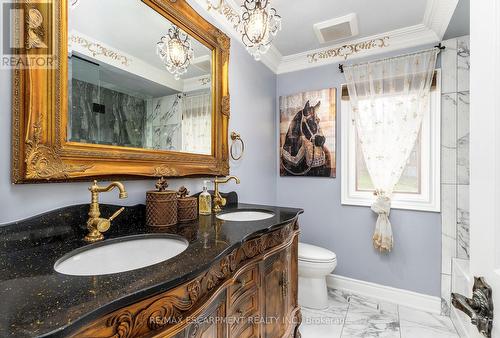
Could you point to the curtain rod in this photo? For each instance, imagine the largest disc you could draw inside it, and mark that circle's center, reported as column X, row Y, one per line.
column 439, row 46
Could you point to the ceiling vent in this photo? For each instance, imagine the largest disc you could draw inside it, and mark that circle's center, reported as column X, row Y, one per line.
column 337, row 29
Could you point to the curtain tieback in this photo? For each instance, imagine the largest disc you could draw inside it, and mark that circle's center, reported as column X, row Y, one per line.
column 382, row 238
column 382, row 205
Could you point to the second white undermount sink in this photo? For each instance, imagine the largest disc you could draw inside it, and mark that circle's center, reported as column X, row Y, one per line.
column 245, row 216
column 120, row 255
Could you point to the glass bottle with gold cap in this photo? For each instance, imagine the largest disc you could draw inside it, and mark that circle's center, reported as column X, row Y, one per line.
column 205, row 201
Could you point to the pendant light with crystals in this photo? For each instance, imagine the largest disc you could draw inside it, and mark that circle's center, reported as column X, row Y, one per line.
column 175, row 51
column 259, row 24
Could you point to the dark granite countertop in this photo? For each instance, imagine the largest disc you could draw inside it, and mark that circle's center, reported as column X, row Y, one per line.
column 35, row 300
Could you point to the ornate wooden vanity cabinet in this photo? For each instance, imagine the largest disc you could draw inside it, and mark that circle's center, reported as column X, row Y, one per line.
column 250, row 292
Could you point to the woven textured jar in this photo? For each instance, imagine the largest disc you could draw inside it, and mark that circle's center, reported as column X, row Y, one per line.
column 187, row 209
column 161, row 206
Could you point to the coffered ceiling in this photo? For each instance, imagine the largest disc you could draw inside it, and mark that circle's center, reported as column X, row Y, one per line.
column 384, row 25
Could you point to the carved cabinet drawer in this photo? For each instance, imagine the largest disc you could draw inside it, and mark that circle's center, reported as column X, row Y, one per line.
column 247, row 280
column 248, row 331
column 244, row 313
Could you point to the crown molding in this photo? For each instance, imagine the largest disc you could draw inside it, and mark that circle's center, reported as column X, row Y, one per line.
column 438, row 14
column 272, row 59
column 196, row 83
column 397, row 39
column 79, row 43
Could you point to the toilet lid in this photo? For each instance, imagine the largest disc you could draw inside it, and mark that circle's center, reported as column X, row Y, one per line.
column 312, row 253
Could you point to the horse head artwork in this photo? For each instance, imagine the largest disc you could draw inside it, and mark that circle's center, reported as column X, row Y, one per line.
column 304, row 152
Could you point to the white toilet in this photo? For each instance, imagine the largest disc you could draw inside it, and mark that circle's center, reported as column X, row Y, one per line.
column 315, row 264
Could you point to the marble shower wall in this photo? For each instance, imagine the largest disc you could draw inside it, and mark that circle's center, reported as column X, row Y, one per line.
column 455, row 66
column 164, row 123
column 121, row 124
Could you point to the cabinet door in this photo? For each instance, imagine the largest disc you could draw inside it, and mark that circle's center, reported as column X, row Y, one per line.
column 211, row 323
column 276, row 287
column 244, row 312
column 244, row 304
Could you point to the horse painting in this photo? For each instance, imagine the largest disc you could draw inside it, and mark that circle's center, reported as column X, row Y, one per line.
column 305, row 147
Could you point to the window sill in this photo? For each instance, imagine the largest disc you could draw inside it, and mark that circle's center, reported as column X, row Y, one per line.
column 402, row 202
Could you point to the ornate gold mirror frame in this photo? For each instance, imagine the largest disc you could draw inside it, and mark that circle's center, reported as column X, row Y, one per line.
column 40, row 150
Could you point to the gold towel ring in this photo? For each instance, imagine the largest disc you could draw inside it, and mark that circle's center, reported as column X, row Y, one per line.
column 236, row 137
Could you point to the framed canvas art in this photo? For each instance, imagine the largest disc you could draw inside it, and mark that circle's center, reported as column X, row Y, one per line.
column 307, row 134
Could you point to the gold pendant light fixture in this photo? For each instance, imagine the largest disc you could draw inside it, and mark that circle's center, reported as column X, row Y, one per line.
column 176, row 52
column 259, row 25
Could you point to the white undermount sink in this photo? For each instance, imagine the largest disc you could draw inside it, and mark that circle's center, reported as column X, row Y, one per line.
column 120, row 254
column 245, row 216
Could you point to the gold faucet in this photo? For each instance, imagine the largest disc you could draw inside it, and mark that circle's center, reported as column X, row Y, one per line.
column 95, row 224
column 220, row 201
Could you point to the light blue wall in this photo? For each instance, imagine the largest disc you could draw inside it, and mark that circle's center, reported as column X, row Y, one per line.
column 415, row 262
column 253, row 92
column 253, row 97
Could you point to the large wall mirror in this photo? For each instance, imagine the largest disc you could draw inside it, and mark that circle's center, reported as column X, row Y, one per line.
column 127, row 97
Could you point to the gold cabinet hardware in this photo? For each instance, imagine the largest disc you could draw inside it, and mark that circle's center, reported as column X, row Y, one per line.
column 96, row 225
column 220, row 201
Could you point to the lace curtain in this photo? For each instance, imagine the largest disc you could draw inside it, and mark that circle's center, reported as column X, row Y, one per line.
column 389, row 99
column 197, row 124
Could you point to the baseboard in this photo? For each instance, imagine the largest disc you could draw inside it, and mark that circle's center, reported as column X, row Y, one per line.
column 461, row 327
column 386, row 293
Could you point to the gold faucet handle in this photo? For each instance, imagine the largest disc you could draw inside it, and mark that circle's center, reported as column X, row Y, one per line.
column 104, row 224
column 220, row 200
column 119, row 211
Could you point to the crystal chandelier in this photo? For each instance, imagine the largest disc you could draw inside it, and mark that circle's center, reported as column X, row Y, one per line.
column 175, row 51
column 259, row 24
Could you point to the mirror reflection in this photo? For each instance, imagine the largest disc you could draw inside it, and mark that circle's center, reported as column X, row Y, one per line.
column 136, row 83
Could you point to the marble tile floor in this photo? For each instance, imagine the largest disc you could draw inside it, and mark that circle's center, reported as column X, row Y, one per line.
column 350, row 316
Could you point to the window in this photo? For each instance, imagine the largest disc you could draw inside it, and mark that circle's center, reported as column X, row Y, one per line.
column 410, row 181
column 419, row 185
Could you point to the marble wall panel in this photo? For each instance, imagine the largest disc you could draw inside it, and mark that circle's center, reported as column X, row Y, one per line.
column 455, row 65
column 463, row 63
column 463, row 167
column 121, row 122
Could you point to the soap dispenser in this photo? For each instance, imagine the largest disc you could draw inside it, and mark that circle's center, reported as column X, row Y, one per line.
column 205, row 200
